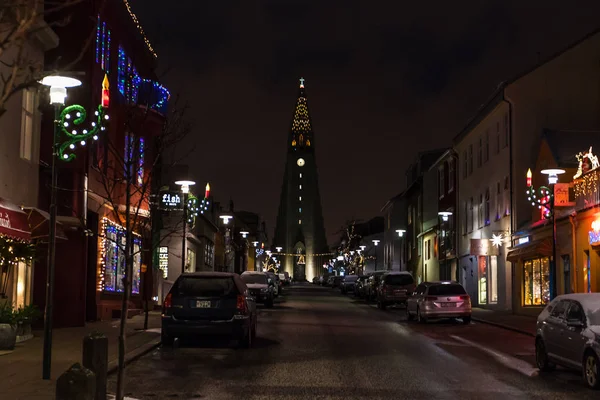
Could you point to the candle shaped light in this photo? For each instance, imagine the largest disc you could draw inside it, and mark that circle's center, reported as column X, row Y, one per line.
column 207, row 191
column 529, row 177
column 105, row 92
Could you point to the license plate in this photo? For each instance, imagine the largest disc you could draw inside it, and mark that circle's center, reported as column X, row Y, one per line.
column 448, row 304
column 202, row 304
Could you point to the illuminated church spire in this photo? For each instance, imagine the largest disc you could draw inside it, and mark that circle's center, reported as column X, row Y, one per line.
column 301, row 132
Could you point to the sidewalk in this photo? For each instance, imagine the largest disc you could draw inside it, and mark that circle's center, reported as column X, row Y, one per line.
column 22, row 369
column 505, row 319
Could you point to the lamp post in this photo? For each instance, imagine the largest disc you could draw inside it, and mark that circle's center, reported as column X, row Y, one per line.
column 185, row 189
column 376, row 243
column 225, row 218
column 401, row 233
column 552, row 180
column 445, row 216
column 65, row 137
column 58, row 93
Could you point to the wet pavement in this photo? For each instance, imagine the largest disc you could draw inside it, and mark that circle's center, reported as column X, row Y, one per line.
column 318, row 344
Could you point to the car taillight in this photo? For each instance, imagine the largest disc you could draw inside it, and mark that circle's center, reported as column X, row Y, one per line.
column 241, row 304
column 465, row 297
column 167, row 302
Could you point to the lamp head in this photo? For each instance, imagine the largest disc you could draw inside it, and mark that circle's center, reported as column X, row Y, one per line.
column 445, row 215
column 58, row 87
column 400, row 232
column 226, row 218
column 552, row 174
column 376, row 242
column 185, row 185
column 279, row 248
column 244, row 234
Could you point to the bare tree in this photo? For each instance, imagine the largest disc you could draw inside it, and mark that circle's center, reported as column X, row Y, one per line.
column 127, row 193
column 20, row 22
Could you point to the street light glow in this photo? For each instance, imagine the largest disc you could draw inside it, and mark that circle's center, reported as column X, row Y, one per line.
column 400, row 232
column 244, row 234
column 552, row 174
column 58, row 87
column 444, row 215
column 376, row 242
column 279, row 248
column 226, row 218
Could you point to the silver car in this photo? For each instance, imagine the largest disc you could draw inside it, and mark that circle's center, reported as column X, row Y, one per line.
column 568, row 334
column 444, row 299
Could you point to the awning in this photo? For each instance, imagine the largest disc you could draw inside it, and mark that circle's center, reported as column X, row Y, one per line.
column 534, row 249
column 39, row 221
column 13, row 221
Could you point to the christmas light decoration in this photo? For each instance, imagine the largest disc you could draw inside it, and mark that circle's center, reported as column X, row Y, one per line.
column 105, row 92
column 141, row 155
column 587, row 162
column 103, row 45
column 497, row 240
column 140, row 29
column 207, row 191
column 301, row 124
column 192, row 209
column 586, row 185
column 112, row 262
column 73, row 136
column 540, row 198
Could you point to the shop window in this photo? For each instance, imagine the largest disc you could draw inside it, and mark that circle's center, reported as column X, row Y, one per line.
column 483, row 290
column 536, row 282
column 113, row 259
column 493, row 279
column 190, row 262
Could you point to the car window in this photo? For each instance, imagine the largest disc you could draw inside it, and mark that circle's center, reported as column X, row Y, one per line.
column 446, row 290
column 559, row 309
column 575, row 312
column 254, row 278
column 402, row 279
column 421, row 289
column 205, row 287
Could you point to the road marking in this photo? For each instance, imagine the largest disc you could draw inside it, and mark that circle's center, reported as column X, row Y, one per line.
column 513, row 363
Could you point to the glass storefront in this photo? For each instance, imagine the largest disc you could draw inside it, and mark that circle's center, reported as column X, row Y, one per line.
column 493, row 279
column 483, row 270
column 536, row 282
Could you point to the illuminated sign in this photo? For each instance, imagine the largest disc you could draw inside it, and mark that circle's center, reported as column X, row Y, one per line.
column 170, row 200
column 482, row 247
column 594, row 234
column 523, row 240
column 163, row 260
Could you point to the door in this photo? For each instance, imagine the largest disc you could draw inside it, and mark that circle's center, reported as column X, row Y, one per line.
column 574, row 341
column 553, row 332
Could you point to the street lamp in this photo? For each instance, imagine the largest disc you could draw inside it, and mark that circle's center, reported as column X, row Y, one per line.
column 363, row 247
column 552, row 180
column 401, row 233
column 58, row 93
column 445, row 216
column 244, row 234
column 279, row 248
column 185, row 189
column 226, row 218
column 255, row 243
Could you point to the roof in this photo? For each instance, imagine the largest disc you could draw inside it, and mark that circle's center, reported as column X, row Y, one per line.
column 391, row 201
column 498, row 94
column 209, row 274
column 566, row 144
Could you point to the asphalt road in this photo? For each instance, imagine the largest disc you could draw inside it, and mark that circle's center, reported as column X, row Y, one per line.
column 318, row 344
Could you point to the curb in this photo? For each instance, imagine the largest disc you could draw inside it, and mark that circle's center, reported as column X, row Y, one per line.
column 507, row 327
column 134, row 354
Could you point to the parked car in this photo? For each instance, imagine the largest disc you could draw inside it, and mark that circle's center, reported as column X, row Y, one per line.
column 445, row 299
column 315, row 280
column 347, row 283
column 283, row 279
column 395, row 287
column 275, row 282
column 372, row 284
column 209, row 303
column 568, row 334
column 330, row 281
column 337, row 280
column 259, row 287
column 287, row 279
column 359, row 286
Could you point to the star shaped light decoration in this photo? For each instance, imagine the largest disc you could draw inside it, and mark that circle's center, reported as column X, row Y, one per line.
column 497, row 240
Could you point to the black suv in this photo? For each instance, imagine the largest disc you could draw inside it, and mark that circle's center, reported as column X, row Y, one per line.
column 207, row 304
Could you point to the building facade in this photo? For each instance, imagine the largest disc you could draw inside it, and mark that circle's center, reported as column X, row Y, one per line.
column 394, row 234
column 300, row 229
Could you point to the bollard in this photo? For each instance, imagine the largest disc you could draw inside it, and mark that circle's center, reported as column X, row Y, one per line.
column 95, row 358
column 76, row 383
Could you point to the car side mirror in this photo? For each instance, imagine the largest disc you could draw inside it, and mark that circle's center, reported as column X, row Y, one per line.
column 574, row 323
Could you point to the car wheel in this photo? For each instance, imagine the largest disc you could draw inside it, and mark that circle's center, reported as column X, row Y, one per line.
column 467, row 320
column 590, row 370
column 166, row 340
column 420, row 318
column 541, row 357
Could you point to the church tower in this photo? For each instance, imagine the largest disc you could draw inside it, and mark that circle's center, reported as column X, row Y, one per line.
column 300, row 230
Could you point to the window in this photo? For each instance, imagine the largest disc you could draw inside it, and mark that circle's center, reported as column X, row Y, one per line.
column 480, row 152
column 299, row 222
column 536, row 282
column 450, row 176
column 113, row 256
column 420, row 246
column 498, row 201
column 466, row 217
column 486, row 210
column 506, row 130
column 486, row 148
column 465, row 165
column 103, row 45
column 471, row 215
column 300, row 210
column 190, row 262
column 559, row 310
column 507, row 204
column 410, row 214
column 441, row 183
column 429, row 249
column 470, row 159
column 575, row 312
column 480, row 211
column 300, row 198
column 498, row 138
column 209, row 253
column 409, row 250
column 419, row 205
column 127, row 77
column 300, row 187
column 300, row 175
column 27, row 124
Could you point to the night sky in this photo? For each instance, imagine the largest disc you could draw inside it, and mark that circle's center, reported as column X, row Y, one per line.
column 384, row 80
